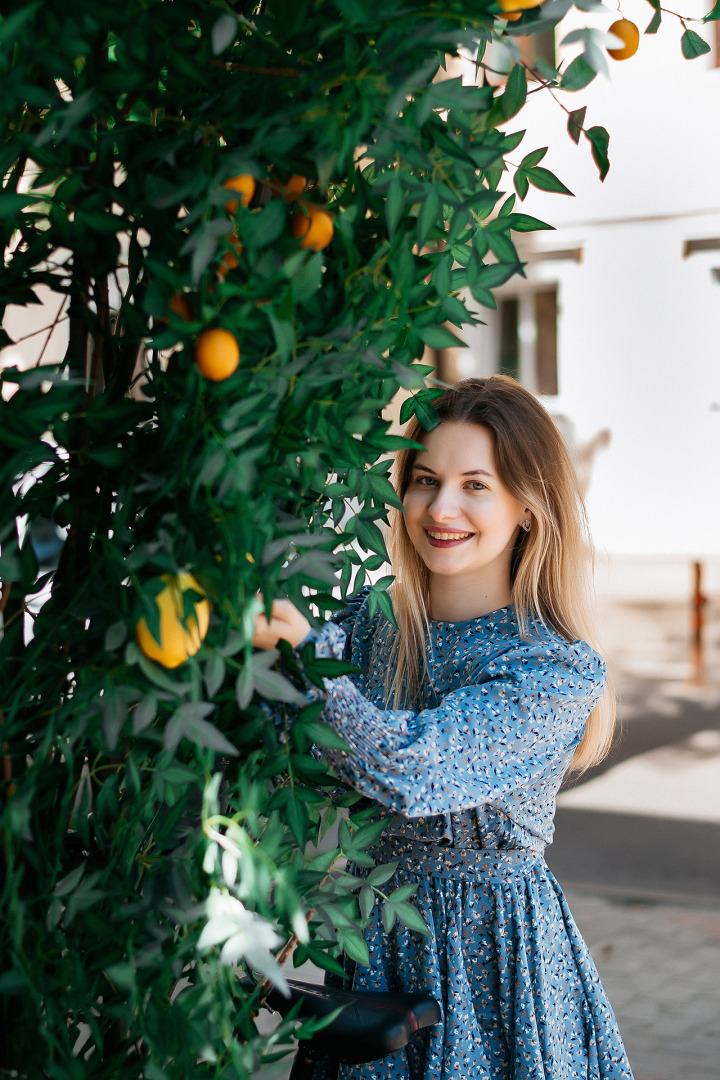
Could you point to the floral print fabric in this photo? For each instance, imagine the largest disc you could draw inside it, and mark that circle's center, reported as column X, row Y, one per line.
column 470, row 781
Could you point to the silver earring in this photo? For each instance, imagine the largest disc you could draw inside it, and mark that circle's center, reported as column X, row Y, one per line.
column 526, row 525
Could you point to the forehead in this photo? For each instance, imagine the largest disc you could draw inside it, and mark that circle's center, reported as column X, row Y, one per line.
column 457, row 447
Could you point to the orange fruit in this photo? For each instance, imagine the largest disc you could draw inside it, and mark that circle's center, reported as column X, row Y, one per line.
column 217, row 354
column 294, row 187
column 245, row 185
column 180, row 305
column 179, row 638
column 313, row 227
column 628, row 33
column 230, row 260
column 512, row 10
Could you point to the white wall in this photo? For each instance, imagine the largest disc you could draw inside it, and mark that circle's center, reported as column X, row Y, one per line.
column 639, row 328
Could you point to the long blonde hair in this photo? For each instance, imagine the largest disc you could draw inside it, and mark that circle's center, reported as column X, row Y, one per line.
column 551, row 564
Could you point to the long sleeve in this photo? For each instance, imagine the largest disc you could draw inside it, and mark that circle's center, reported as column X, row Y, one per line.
column 518, row 719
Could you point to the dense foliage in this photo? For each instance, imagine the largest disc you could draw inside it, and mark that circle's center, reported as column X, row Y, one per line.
column 153, row 813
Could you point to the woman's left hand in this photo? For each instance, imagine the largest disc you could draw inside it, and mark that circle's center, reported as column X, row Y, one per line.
column 285, row 623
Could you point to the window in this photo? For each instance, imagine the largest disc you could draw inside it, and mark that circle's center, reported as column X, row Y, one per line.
column 527, row 338
column 509, row 351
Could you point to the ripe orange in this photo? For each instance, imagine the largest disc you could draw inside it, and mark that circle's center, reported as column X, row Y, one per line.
column 245, row 184
column 314, row 226
column 294, row 187
column 230, row 258
column 217, row 354
column 180, row 305
column 512, row 10
column 628, row 32
column 179, row 638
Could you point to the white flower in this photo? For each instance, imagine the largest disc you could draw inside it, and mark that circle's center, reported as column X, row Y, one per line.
column 246, row 935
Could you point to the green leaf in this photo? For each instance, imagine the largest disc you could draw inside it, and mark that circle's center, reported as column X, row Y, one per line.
column 297, row 817
column 521, row 182
column 223, row 33
column 366, row 901
column 575, row 123
column 144, row 713
column 545, row 180
column 491, row 275
column 599, row 141
column 693, row 45
column 188, row 723
column 381, row 600
column 324, row 736
column 416, row 405
column 439, row 337
column 307, row 279
column 353, row 945
column 366, row 835
column 11, row 203
column 262, row 227
column 411, row 917
column 388, row 916
column 654, row 25
column 370, row 537
column 115, row 636
column 327, row 667
column 284, row 334
column 515, row 94
column 428, row 216
column 214, row 673
column 441, row 277
column 275, row 687
column 577, row 75
column 244, row 687
column 523, row 223
column 11, row 25
column 394, row 205
column 317, row 952
column 532, row 159
column 380, row 874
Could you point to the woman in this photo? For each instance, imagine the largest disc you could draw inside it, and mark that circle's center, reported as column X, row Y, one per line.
column 463, row 724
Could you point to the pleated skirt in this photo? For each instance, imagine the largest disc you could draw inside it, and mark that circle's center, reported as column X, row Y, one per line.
column 520, row 996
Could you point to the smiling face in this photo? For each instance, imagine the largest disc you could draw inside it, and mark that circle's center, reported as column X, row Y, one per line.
column 462, row 520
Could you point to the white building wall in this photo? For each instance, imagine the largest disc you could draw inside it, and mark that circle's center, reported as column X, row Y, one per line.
column 639, row 325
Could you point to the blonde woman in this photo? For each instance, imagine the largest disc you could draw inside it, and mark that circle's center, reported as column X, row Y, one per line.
column 462, row 724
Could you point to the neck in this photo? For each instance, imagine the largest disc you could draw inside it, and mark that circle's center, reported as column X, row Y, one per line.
column 459, row 600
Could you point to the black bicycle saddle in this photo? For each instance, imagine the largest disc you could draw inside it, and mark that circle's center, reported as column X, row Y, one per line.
column 371, row 1024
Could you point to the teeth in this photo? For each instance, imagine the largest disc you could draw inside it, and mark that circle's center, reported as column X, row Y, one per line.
column 448, row 536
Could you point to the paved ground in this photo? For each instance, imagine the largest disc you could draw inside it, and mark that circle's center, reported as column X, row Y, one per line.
column 660, row 965
column 641, row 866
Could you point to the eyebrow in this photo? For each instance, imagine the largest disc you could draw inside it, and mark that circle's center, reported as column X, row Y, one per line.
column 471, row 472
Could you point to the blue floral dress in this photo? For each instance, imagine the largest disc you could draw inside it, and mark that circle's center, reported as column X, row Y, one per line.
column 471, row 780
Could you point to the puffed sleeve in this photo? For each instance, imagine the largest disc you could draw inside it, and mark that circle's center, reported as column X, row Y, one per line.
column 505, row 730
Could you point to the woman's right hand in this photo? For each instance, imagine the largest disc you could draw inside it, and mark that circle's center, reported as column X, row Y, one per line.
column 286, row 623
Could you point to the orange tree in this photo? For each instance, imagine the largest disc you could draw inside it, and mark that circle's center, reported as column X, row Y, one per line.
column 251, row 219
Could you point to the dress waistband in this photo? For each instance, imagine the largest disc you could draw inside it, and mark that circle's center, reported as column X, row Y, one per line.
column 443, row 860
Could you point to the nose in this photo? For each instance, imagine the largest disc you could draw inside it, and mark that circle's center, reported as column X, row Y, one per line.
column 443, row 506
